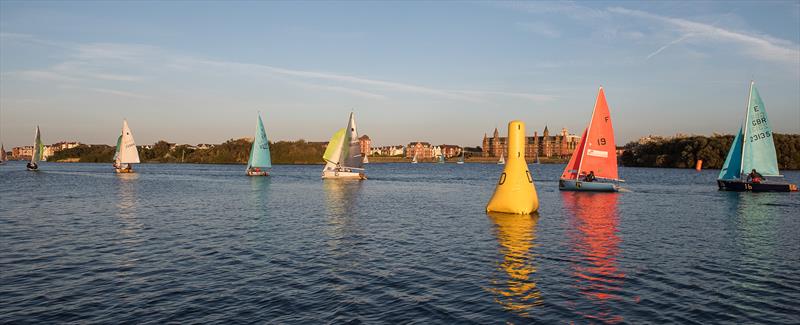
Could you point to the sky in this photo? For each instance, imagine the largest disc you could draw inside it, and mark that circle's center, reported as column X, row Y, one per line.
column 442, row 72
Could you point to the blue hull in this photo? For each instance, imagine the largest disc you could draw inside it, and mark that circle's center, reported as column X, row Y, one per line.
column 575, row 185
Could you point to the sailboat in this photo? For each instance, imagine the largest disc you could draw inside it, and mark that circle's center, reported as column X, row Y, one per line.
column 595, row 155
column 461, row 159
column 259, row 159
column 441, row 158
column 38, row 148
column 3, row 157
column 365, row 160
column 502, row 160
column 126, row 151
column 414, row 160
column 753, row 150
column 343, row 154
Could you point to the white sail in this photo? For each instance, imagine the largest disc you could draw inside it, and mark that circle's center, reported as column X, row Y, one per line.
column 351, row 146
column 127, row 151
column 36, row 155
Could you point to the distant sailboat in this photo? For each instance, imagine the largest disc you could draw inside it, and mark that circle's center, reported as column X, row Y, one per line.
column 365, row 160
column 260, row 158
column 343, row 154
column 38, row 148
column 127, row 154
column 752, row 155
column 461, row 159
column 595, row 158
column 3, row 157
column 502, row 160
column 414, row 160
column 441, row 158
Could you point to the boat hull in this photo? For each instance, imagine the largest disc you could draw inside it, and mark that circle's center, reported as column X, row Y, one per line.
column 257, row 173
column 579, row 186
column 124, row 170
column 742, row 186
column 337, row 174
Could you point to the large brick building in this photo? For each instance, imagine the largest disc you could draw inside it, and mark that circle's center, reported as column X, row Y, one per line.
column 423, row 150
column 366, row 145
column 557, row 146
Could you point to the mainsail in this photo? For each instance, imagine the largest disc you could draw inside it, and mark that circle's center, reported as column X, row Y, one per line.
column 127, row 149
column 2, row 153
column 259, row 152
column 753, row 147
column 38, row 147
column 599, row 153
column 352, row 153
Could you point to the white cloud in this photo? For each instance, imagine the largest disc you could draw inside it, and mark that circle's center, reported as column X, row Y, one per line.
column 99, row 61
column 763, row 47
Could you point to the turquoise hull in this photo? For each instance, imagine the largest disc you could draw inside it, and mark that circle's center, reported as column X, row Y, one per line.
column 580, row 186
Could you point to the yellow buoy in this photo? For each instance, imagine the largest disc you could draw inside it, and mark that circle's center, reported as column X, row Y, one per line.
column 515, row 192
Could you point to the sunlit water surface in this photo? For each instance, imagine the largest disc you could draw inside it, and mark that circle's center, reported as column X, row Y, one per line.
column 204, row 243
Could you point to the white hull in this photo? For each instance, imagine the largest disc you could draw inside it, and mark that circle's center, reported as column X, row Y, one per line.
column 336, row 174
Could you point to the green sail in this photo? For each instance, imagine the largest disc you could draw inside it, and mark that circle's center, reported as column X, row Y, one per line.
column 119, row 143
column 758, row 151
column 333, row 152
column 259, row 152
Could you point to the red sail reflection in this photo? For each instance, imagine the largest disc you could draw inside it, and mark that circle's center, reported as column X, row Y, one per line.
column 516, row 234
column 593, row 237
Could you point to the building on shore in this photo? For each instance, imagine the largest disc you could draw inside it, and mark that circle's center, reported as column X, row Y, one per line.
column 559, row 146
column 388, row 151
column 366, row 144
column 449, row 150
column 422, row 150
column 49, row 150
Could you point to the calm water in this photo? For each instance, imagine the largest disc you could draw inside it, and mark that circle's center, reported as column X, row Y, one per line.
column 204, row 243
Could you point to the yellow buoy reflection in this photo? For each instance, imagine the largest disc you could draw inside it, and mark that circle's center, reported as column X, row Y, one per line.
column 516, row 234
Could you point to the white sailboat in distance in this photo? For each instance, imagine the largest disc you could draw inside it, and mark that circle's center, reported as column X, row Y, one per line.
column 126, row 151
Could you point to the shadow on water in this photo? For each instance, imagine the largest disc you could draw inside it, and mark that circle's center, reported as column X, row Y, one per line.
column 594, row 221
column 516, row 234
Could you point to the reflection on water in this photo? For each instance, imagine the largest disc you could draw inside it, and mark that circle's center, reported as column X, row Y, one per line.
column 756, row 224
column 593, row 236
column 516, row 234
column 127, row 203
column 340, row 197
column 259, row 190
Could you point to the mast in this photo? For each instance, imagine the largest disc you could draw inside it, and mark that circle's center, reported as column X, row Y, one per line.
column 589, row 129
column 744, row 134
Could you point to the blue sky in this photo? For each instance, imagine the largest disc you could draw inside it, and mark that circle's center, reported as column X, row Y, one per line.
column 444, row 72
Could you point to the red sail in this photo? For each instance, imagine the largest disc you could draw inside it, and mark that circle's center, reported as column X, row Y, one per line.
column 571, row 171
column 600, row 152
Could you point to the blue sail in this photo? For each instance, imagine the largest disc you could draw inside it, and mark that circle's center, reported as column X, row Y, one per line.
column 758, row 151
column 730, row 170
column 259, row 153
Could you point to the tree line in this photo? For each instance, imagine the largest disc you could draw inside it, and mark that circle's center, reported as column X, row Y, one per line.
column 234, row 151
column 684, row 152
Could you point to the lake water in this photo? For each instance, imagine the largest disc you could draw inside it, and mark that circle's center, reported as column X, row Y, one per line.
column 205, row 244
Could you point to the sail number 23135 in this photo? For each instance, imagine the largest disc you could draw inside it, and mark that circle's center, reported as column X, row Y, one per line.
column 759, row 136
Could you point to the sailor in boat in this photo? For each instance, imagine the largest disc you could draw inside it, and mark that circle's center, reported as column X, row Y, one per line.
column 589, row 177
column 32, row 165
column 755, row 177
